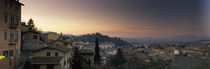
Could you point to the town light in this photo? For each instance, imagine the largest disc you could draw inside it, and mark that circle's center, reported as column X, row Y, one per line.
column 2, row 57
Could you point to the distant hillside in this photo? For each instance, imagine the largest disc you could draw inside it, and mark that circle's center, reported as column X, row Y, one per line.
column 102, row 38
column 183, row 38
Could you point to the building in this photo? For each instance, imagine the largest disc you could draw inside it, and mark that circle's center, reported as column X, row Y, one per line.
column 61, row 42
column 88, row 56
column 51, row 57
column 51, row 36
column 30, row 40
column 10, row 33
column 24, row 27
column 106, row 45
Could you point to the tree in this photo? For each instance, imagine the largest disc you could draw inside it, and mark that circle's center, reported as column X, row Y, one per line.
column 97, row 57
column 77, row 61
column 118, row 59
column 31, row 25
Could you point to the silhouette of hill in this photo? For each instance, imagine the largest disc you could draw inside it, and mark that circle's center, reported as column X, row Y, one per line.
column 102, row 38
column 182, row 38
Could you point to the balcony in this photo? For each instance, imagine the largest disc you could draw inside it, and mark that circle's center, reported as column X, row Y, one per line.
column 12, row 42
column 13, row 25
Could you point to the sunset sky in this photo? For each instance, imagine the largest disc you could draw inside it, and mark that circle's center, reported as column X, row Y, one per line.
column 120, row 18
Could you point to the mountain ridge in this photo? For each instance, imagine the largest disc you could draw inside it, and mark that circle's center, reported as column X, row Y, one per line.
column 181, row 38
column 102, row 38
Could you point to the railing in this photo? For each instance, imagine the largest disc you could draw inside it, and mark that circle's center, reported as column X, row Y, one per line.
column 12, row 42
column 13, row 25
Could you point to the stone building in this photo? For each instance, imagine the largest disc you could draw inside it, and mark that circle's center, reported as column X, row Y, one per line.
column 10, row 33
column 30, row 40
column 51, row 57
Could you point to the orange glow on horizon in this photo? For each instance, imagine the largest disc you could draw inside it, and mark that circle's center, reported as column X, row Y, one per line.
column 77, row 19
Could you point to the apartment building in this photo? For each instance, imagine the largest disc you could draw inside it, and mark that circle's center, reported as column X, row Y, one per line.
column 10, row 33
column 51, row 57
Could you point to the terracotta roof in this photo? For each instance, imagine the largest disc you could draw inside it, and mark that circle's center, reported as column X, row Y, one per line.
column 56, row 41
column 59, row 48
column 51, row 33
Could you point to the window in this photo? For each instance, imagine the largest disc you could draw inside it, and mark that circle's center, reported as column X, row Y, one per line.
column 56, row 53
column 48, row 54
column 16, row 51
column 5, row 35
column 12, row 20
column 5, row 17
column 12, row 36
column 50, row 66
column 11, row 53
column 5, row 53
column 64, row 63
column 16, row 36
column 35, row 37
column 36, row 66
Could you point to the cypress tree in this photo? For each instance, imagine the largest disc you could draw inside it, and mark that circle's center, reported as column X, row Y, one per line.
column 118, row 59
column 97, row 57
column 77, row 60
column 31, row 25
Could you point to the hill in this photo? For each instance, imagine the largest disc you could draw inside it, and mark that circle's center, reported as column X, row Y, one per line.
column 182, row 38
column 102, row 38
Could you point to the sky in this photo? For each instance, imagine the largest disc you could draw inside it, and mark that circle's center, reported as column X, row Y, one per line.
column 120, row 18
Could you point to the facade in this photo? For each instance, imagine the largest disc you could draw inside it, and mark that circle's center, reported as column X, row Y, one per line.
column 30, row 40
column 51, row 57
column 52, row 36
column 24, row 27
column 61, row 42
column 106, row 45
column 10, row 33
column 88, row 56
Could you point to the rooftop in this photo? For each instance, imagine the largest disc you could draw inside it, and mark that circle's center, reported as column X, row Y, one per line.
column 17, row 1
column 59, row 48
column 86, row 51
column 46, row 60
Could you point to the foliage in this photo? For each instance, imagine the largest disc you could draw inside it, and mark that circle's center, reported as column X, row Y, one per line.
column 31, row 25
column 77, row 61
column 118, row 59
column 97, row 57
